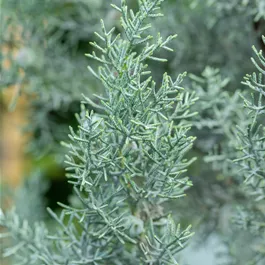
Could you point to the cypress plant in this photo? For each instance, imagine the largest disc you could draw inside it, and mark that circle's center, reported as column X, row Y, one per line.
column 126, row 158
column 251, row 159
column 125, row 161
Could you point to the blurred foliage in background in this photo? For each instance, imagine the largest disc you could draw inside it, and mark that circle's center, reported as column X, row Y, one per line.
column 45, row 42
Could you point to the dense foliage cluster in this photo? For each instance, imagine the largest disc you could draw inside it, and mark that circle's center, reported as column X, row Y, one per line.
column 125, row 162
column 143, row 121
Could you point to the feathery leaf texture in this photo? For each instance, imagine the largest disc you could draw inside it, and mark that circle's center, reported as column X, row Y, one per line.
column 125, row 161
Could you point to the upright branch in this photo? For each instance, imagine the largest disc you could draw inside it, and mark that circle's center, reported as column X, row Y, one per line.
column 126, row 160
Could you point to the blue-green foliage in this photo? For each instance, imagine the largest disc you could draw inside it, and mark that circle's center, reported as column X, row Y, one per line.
column 219, row 112
column 250, row 162
column 55, row 35
column 252, row 138
column 125, row 162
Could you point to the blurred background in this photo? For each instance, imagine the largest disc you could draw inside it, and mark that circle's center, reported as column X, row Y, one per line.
column 43, row 74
